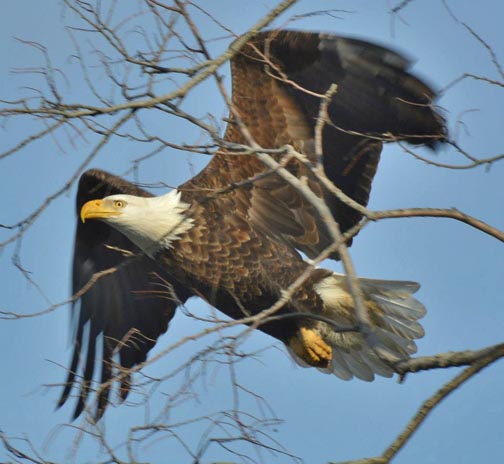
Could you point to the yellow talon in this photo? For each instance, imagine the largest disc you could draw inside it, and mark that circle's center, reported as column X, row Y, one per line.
column 311, row 348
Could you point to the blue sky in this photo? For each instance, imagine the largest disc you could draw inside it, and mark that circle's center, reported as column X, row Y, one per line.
column 322, row 418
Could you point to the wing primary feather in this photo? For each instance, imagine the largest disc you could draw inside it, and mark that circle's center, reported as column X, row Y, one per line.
column 106, row 376
column 73, row 367
column 88, row 373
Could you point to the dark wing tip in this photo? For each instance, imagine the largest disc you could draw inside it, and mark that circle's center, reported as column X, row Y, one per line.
column 67, row 388
column 377, row 94
column 395, row 101
column 125, row 387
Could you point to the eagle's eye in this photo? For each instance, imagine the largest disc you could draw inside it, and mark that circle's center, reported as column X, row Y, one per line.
column 119, row 204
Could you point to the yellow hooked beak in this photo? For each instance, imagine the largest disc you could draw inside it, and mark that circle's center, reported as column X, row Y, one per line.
column 95, row 209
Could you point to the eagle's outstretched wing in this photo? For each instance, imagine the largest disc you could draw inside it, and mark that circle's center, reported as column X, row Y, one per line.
column 127, row 299
column 276, row 79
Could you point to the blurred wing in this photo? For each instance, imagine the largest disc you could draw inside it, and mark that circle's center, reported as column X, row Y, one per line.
column 122, row 312
column 275, row 79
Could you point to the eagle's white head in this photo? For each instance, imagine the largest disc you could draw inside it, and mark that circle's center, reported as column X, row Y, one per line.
column 151, row 223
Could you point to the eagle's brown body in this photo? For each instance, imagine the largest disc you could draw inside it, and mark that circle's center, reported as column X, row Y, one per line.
column 249, row 225
column 238, row 269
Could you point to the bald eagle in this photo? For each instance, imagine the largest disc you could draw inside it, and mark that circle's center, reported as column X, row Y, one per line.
column 236, row 233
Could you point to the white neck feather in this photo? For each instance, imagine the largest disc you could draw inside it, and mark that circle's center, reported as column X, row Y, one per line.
column 153, row 223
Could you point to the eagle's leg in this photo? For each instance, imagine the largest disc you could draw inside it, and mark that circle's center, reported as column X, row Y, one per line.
column 311, row 348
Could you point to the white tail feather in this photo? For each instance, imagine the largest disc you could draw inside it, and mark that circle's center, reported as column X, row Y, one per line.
column 394, row 314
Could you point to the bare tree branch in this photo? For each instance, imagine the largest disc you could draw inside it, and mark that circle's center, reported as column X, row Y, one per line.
column 478, row 364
